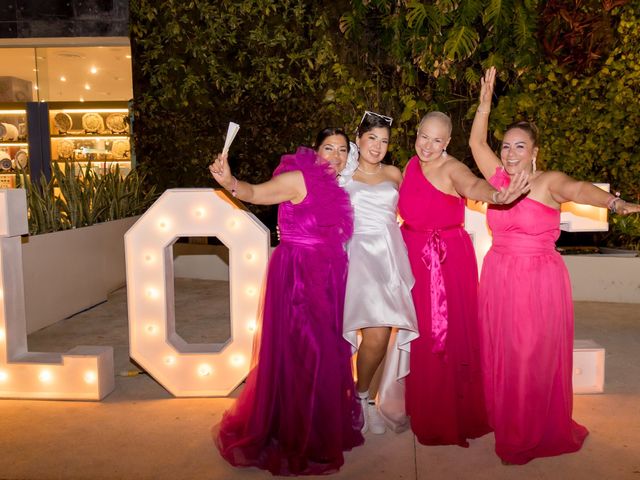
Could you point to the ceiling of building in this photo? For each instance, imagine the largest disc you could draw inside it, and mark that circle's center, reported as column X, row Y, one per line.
column 66, row 73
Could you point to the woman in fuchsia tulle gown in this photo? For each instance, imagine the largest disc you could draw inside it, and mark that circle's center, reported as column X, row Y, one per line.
column 298, row 412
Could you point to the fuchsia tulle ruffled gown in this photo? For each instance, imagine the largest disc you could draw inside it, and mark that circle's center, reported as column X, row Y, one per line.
column 444, row 395
column 527, row 325
column 298, row 411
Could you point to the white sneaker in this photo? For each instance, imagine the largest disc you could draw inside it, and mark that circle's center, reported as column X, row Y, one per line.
column 364, row 403
column 376, row 423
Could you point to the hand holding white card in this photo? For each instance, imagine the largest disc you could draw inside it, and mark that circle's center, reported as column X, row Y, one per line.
column 231, row 134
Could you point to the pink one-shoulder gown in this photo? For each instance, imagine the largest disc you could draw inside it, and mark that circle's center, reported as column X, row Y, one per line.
column 444, row 395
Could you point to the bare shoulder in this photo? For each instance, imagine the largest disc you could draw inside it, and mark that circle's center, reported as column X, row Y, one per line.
column 453, row 166
column 393, row 173
column 552, row 177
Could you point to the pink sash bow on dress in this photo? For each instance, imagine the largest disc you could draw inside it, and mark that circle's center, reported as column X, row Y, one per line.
column 434, row 253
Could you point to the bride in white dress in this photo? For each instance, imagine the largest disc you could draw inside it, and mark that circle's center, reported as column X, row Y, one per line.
column 378, row 301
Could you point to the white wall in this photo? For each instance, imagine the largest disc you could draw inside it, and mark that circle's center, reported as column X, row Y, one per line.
column 72, row 270
column 604, row 278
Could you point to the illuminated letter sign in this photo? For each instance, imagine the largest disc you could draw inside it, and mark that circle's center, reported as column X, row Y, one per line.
column 182, row 368
column 83, row 373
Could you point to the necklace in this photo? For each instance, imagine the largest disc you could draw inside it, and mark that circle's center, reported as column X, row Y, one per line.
column 370, row 173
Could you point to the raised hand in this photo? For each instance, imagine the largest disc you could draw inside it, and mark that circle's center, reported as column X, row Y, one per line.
column 487, row 83
column 626, row 208
column 220, row 171
column 519, row 186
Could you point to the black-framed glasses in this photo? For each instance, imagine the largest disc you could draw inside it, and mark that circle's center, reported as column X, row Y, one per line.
column 389, row 120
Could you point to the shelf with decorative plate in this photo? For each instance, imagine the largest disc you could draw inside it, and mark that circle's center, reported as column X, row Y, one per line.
column 14, row 149
column 96, row 133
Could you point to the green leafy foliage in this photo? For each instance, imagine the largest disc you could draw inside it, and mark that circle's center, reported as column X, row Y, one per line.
column 265, row 64
column 284, row 69
column 71, row 200
column 589, row 125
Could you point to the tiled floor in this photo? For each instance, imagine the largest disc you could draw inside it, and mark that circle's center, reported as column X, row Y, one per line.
column 141, row 432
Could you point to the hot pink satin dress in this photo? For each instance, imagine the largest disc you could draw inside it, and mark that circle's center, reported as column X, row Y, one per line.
column 527, row 329
column 444, row 395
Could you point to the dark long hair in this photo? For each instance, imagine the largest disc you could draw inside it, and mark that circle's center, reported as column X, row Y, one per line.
column 327, row 132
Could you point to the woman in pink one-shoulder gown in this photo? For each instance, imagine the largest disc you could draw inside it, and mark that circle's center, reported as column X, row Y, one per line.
column 525, row 305
column 298, row 411
column 444, row 396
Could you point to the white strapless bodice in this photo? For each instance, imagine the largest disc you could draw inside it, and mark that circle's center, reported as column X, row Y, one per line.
column 374, row 206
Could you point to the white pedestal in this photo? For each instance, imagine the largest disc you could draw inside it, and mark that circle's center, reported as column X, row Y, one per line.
column 588, row 367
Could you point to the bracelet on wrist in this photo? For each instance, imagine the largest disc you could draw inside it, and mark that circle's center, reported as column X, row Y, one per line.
column 483, row 111
column 493, row 197
column 234, row 187
column 611, row 203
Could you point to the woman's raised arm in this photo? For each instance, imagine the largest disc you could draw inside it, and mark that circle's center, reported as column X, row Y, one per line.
column 485, row 158
column 288, row 186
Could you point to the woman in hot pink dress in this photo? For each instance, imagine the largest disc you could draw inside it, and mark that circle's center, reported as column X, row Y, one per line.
column 444, row 396
column 298, row 411
column 525, row 306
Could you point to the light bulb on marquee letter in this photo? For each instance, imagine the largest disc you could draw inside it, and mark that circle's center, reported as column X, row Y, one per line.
column 186, row 369
column 45, row 376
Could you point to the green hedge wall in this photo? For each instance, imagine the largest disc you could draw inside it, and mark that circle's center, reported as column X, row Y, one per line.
column 284, row 69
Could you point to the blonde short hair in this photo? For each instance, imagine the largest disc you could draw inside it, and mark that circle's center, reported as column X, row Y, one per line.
column 443, row 117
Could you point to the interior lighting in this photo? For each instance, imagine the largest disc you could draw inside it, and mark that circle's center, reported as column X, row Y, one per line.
column 251, row 326
column 45, row 376
column 204, row 370
column 2, row 335
column 92, row 110
column 94, row 70
column 87, row 86
column 63, row 78
column 251, row 291
column 90, row 377
column 170, row 360
column 4, row 376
